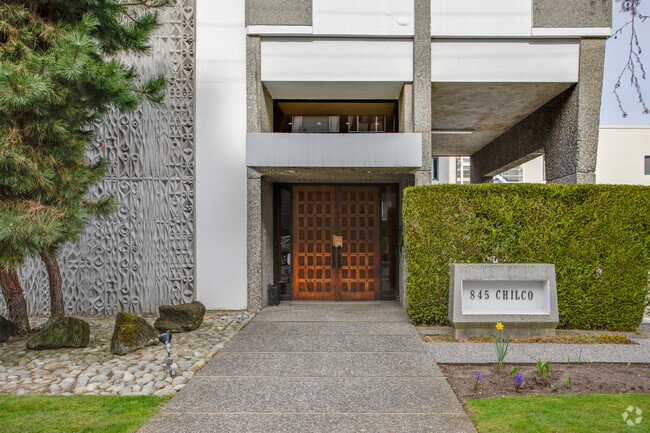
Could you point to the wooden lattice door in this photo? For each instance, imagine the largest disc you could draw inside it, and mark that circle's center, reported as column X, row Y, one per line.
column 336, row 242
column 359, row 226
column 314, row 221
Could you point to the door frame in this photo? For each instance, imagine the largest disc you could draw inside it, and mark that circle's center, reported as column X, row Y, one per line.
column 388, row 287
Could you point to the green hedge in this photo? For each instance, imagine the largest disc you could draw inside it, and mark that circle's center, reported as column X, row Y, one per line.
column 598, row 237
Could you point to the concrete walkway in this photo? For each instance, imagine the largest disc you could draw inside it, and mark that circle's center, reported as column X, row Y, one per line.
column 319, row 367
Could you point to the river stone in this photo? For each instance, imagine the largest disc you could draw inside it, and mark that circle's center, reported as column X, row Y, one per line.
column 180, row 318
column 131, row 333
column 7, row 329
column 65, row 332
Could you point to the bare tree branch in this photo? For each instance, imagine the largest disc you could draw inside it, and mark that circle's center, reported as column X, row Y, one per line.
column 634, row 64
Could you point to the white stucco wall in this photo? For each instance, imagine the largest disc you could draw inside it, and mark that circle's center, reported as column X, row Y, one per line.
column 621, row 153
column 534, row 171
column 221, row 154
column 505, row 60
column 363, row 17
column 489, row 18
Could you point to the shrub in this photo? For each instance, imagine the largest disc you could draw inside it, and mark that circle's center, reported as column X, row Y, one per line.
column 597, row 236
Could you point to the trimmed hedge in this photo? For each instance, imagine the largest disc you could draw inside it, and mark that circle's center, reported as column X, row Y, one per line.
column 598, row 237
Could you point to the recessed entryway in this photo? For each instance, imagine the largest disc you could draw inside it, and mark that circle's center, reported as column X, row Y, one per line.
column 336, row 242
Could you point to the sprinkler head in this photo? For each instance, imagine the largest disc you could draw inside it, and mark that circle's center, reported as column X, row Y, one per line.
column 165, row 338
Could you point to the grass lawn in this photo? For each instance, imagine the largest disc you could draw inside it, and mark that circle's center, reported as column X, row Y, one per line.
column 562, row 413
column 42, row 413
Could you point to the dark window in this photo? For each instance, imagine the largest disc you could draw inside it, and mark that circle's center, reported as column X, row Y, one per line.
column 647, row 165
column 335, row 116
column 435, row 169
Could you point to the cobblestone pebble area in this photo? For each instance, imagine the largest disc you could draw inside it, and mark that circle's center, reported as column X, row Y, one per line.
column 95, row 370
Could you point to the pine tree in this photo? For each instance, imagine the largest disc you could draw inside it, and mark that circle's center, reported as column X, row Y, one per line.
column 60, row 72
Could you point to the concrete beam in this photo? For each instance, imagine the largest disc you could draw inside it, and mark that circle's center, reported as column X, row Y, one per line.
column 566, row 128
column 279, row 12
column 572, row 13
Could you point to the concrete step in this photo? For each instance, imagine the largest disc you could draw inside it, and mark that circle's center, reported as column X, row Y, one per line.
column 326, row 315
column 315, row 395
column 322, row 365
column 325, row 343
column 328, row 328
column 309, row 423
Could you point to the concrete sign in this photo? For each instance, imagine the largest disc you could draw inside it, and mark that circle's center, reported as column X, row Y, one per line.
column 521, row 296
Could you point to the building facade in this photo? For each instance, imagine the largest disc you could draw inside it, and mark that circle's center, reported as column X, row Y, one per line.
column 296, row 125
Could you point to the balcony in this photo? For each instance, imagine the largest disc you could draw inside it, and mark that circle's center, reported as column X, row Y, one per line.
column 346, row 150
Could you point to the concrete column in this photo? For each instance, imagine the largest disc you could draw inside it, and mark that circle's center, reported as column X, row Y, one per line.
column 565, row 130
column 254, row 116
column 583, row 109
column 254, row 244
column 422, row 86
column 406, row 108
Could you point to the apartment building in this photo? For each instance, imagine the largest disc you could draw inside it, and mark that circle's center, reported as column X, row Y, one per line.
column 293, row 126
column 347, row 102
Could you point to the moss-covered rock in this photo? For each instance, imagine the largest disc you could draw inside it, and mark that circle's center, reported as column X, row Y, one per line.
column 180, row 318
column 7, row 329
column 66, row 332
column 131, row 333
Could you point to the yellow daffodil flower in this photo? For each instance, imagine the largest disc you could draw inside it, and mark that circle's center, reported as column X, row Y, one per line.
column 499, row 326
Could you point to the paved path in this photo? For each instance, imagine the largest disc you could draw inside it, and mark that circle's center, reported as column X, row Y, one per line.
column 319, row 367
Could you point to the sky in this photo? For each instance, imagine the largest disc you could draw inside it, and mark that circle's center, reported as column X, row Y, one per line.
column 616, row 54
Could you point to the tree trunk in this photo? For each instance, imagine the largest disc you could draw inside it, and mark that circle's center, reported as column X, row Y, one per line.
column 57, row 306
column 15, row 300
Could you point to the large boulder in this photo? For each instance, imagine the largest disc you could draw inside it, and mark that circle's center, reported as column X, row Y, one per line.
column 7, row 329
column 131, row 333
column 180, row 318
column 65, row 332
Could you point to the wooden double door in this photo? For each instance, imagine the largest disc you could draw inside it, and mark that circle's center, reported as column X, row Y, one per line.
column 336, row 243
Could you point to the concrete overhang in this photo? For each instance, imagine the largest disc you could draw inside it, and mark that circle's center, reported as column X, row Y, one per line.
column 467, row 116
column 334, row 150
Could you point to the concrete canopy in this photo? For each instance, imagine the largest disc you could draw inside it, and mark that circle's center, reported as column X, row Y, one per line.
column 467, row 116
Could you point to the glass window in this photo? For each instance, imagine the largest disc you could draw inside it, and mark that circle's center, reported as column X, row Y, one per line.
column 435, row 169
column 647, row 165
column 315, row 124
column 335, row 116
column 389, row 242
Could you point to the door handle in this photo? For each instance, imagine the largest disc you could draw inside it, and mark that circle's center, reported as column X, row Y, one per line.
column 337, row 243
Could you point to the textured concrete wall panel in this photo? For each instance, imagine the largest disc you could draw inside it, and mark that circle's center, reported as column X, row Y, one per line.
column 143, row 255
column 572, row 13
column 278, row 12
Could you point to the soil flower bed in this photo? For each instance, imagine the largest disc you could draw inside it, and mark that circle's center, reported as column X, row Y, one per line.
column 594, row 378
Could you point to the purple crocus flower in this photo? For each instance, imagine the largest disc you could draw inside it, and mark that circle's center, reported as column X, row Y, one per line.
column 479, row 377
column 518, row 380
